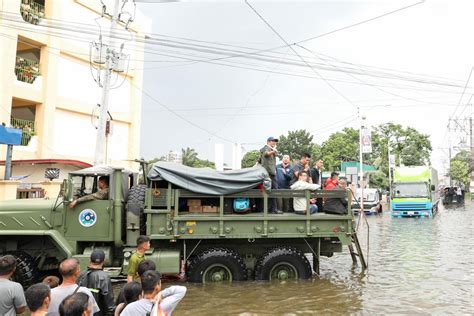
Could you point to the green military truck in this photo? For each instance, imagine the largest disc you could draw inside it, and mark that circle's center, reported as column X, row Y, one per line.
column 188, row 214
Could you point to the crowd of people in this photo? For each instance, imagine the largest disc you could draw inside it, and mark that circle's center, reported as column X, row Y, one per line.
column 89, row 292
column 300, row 176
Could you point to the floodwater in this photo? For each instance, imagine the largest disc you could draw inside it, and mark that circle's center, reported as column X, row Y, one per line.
column 416, row 267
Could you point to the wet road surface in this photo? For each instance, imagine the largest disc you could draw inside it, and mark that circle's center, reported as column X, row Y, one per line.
column 416, row 267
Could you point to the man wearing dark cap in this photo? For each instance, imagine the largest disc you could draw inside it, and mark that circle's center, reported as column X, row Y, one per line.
column 268, row 155
column 99, row 283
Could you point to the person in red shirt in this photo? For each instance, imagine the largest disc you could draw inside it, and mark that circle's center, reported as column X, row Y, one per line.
column 332, row 182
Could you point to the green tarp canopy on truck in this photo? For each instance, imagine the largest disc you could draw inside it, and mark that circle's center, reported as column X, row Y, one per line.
column 206, row 180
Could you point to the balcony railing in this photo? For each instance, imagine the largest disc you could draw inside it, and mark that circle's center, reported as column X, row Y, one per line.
column 28, row 128
column 32, row 11
column 26, row 70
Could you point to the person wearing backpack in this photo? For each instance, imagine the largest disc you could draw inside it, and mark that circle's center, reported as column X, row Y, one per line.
column 99, row 283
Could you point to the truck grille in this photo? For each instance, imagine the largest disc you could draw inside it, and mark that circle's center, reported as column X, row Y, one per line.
column 410, row 206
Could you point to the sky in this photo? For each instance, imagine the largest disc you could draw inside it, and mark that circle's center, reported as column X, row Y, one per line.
column 408, row 67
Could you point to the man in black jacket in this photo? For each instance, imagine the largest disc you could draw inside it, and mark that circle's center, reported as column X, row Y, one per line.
column 337, row 205
column 98, row 282
column 316, row 174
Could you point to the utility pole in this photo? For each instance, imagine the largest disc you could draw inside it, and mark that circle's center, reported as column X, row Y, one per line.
column 471, row 145
column 100, row 145
column 361, row 165
column 389, row 176
column 8, row 162
column 450, row 182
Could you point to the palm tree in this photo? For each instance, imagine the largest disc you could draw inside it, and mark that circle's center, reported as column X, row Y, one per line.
column 189, row 156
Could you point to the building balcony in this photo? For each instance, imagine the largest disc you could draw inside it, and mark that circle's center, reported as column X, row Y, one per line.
column 32, row 11
column 28, row 128
column 26, row 70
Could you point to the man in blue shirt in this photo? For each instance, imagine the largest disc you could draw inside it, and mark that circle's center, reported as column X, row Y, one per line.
column 284, row 173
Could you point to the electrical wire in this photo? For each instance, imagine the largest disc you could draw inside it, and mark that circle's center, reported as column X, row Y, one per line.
column 286, row 73
column 464, row 90
column 174, row 56
column 188, row 48
column 296, row 53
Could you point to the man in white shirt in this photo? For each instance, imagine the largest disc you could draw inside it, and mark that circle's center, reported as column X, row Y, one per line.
column 153, row 300
column 70, row 271
column 299, row 203
column 12, row 298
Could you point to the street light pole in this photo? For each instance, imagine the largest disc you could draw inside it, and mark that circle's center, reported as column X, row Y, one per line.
column 389, row 177
column 361, row 165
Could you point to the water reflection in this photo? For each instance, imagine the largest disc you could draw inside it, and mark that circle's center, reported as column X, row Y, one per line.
column 272, row 298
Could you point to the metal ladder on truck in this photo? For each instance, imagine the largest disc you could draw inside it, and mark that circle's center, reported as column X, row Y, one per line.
column 364, row 260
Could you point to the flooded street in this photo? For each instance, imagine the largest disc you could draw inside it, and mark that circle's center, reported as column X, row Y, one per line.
column 416, row 267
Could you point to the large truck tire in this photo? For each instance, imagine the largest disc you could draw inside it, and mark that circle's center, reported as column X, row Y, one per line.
column 217, row 265
column 282, row 263
column 26, row 270
column 136, row 205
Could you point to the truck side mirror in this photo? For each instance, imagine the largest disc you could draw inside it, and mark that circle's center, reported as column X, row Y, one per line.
column 67, row 190
column 433, row 187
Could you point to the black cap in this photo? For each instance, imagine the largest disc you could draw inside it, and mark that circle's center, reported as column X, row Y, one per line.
column 97, row 256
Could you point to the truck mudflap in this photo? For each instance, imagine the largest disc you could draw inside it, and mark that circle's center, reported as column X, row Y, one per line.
column 59, row 241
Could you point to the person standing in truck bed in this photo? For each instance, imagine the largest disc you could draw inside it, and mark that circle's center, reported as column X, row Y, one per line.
column 268, row 160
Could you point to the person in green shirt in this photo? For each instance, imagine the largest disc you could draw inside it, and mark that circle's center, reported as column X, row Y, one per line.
column 143, row 244
column 268, row 155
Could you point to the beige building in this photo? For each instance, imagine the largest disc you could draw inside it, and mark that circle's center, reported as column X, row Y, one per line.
column 48, row 88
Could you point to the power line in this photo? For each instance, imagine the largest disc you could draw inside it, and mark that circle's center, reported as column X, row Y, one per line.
column 169, row 109
column 363, row 81
column 280, row 61
column 296, row 53
column 361, row 22
column 331, row 32
column 464, row 90
column 178, row 44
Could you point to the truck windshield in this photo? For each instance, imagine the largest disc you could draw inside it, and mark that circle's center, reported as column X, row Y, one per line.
column 83, row 185
column 410, row 190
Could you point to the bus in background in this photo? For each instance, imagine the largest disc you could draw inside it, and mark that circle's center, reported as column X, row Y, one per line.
column 414, row 192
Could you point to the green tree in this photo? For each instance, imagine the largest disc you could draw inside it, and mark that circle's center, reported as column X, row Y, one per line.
column 460, row 170
column 250, row 158
column 200, row 163
column 340, row 146
column 410, row 147
column 295, row 144
column 189, row 157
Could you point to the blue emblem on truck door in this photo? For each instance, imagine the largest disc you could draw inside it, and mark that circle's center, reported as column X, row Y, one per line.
column 87, row 217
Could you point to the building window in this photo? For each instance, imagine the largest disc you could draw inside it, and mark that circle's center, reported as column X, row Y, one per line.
column 32, row 11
